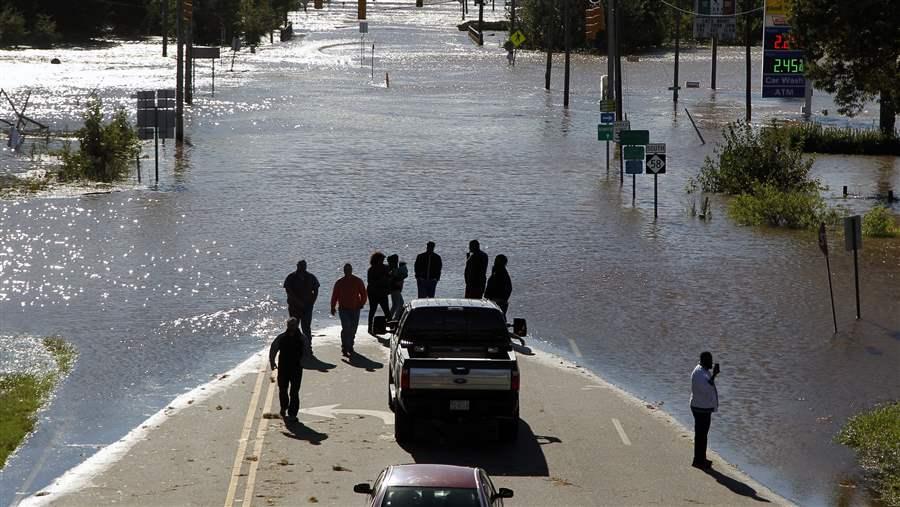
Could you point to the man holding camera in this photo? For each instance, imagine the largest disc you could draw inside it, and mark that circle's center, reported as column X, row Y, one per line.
column 704, row 401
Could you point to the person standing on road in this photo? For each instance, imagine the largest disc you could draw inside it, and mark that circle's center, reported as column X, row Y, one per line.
column 379, row 287
column 704, row 401
column 302, row 289
column 476, row 271
column 289, row 346
column 428, row 271
column 398, row 272
column 349, row 295
column 499, row 286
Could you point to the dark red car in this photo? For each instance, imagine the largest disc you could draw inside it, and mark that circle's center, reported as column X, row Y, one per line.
column 433, row 485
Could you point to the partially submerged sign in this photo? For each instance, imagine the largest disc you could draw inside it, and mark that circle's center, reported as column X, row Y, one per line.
column 198, row 53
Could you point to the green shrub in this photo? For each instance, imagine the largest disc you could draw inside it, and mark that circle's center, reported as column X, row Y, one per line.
column 879, row 222
column 105, row 152
column 815, row 138
column 12, row 26
column 876, row 437
column 767, row 205
column 749, row 156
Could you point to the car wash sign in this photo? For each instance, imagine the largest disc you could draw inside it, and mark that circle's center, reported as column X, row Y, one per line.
column 784, row 64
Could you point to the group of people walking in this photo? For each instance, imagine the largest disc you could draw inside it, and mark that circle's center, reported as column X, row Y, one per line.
column 384, row 290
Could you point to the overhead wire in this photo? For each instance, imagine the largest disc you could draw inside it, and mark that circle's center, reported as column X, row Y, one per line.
column 702, row 15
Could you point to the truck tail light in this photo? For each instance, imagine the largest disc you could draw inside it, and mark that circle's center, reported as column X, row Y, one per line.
column 404, row 378
column 514, row 380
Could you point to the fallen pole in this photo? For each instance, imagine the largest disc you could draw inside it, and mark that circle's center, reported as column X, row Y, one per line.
column 695, row 126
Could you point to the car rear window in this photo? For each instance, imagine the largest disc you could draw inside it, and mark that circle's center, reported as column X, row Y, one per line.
column 405, row 496
column 486, row 323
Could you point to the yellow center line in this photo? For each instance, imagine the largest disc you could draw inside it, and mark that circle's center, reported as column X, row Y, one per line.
column 257, row 449
column 245, row 433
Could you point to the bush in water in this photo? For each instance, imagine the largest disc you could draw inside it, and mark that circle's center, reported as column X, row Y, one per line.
column 880, row 223
column 876, row 437
column 104, row 152
column 767, row 205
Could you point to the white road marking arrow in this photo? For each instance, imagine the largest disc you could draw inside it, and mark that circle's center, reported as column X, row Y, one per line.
column 330, row 411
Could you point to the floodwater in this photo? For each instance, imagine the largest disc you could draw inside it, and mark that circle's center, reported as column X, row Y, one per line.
column 301, row 154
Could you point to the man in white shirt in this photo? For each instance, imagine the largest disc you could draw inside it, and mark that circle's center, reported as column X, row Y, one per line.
column 704, row 401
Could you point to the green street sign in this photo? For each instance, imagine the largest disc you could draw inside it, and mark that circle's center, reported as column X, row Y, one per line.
column 517, row 38
column 634, row 137
column 604, row 132
column 633, row 152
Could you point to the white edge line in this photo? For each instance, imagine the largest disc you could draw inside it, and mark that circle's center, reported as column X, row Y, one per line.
column 621, row 431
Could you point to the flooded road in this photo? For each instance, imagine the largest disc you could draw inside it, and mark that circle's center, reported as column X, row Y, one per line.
column 301, row 155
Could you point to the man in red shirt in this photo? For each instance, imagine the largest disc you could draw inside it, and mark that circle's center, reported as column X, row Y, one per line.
column 350, row 295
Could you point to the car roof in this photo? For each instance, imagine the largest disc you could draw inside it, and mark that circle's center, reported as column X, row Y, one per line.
column 457, row 302
column 440, row 476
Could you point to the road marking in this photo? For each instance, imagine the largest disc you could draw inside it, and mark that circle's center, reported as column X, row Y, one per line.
column 575, row 348
column 330, row 411
column 621, row 431
column 245, row 433
column 257, row 449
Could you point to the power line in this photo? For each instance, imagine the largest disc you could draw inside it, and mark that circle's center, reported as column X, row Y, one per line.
column 701, row 15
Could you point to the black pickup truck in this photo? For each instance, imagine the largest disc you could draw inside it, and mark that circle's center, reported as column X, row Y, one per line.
column 453, row 359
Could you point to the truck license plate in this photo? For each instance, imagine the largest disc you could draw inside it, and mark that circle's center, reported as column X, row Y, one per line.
column 459, row 404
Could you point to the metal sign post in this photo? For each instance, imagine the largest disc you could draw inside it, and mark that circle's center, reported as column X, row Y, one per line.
column 605, row 132
column 823, row 245
column 656, row 165
column 853, row 241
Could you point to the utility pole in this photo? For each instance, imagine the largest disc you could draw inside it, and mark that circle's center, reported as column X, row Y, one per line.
column 548, row 40
column 747, row 40
column 165, row 27
column 618, row 44
column 189, row 58
column 677, row 49
column 566, row 42
column 179, row 74
column 715, row 41
column 610, row 51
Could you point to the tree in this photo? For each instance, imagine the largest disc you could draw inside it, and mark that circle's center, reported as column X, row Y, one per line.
column 853, row 51
column 12, row 26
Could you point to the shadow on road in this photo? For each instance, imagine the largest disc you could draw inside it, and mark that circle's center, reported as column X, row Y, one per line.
column 737, row 487
column 299, row 431
column 476, row 445
column 360, row 361
column 314, row 363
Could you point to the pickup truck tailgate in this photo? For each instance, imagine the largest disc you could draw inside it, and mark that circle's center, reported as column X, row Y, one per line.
column 461, row 377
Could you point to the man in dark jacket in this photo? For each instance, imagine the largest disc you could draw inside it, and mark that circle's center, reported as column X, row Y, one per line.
column 289, row 346
column 428, row 271
column 476, row 271
column 499, row 286
column 302, row 288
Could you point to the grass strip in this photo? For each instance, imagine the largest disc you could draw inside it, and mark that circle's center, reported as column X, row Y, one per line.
column 23, row 394
column 815, row 138
column 875, row 435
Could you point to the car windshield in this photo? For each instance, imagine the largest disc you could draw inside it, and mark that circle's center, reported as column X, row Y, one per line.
column 436, row 322
column 404, row 496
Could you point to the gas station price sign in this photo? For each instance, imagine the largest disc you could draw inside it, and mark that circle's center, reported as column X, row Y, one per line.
column 784, row 63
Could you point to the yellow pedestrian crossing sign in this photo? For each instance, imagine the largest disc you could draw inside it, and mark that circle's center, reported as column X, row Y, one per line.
column 517, row 38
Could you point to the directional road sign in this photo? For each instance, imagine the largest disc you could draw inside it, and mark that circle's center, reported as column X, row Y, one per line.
column 608, row 106
column 517, row 38
column 604, row 132
column 635, row 137
column 607, row 117
column 656, row 163
column 656, row 148
column 633, row 153
column 634, row 166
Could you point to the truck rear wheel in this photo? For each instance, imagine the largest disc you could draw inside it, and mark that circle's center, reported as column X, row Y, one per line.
column 403, row 425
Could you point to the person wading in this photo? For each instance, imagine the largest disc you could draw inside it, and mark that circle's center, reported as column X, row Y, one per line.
column 499, row 286
column 428, row 271
column 398, row 272
column 289, row 346
column 704, row 401
column 379, row 286
column 302, row 289
column 476, row 271
column 349, row 295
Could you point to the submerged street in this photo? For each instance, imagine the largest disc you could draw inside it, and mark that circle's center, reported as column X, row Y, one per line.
column 301, row 154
